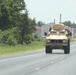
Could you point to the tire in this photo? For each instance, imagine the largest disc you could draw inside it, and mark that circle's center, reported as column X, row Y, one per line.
column 67, row 48
column 48, row 49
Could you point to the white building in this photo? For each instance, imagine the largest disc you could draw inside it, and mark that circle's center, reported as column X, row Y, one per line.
column 45, row 28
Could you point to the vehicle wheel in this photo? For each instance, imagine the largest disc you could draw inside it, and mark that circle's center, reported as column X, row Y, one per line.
column 67, row 48
column 48, row 49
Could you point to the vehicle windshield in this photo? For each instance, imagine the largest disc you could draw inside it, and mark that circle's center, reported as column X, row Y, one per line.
column 62, row 33
column 53, row 32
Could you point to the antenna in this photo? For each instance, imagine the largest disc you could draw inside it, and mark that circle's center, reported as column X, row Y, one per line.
column 60, row 17
column 54, row 21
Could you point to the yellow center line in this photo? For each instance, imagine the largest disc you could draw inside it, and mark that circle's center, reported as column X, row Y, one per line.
column 52, row 62
column 37, row 68
column 62, row 58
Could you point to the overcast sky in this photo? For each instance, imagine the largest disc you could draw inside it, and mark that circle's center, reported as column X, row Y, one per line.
column 48, row 10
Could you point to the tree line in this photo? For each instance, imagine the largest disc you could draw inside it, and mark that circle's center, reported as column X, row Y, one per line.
column 16, row 27
column 70, row 24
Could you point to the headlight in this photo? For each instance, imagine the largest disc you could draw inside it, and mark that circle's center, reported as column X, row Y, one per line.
column 47, row 40
column 64, row 41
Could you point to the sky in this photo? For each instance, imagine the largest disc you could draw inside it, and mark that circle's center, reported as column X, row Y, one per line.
column 48, row 10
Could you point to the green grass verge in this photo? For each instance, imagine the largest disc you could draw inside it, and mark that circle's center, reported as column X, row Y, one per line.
column 20, row 49
column 73, row 40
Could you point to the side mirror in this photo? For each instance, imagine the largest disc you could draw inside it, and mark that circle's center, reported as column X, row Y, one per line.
column 70, row 34
column 45, row 33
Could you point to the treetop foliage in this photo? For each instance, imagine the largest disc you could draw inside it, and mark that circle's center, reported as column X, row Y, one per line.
column 11, row 17
column 70, row 24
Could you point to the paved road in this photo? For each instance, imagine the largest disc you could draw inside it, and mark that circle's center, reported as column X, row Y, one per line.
column 40, row 63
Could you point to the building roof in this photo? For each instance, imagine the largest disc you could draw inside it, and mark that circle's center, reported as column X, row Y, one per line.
column 38, row 29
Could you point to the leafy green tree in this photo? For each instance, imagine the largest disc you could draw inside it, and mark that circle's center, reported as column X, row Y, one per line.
column 70, row 24
column 67, row 23
column 26, row 27
column 9, row 13
column 8, row 37
column 32, row 24
column 13, row 19
column 74, row 25
column 40, row 23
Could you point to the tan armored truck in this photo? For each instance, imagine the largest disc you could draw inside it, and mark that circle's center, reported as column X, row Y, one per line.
column 58, row 38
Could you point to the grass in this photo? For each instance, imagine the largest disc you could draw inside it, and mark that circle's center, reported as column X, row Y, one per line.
column 19, row 49
column 73, row 40
column 6, row 50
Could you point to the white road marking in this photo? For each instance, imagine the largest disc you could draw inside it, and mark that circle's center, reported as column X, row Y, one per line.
column 2, row 60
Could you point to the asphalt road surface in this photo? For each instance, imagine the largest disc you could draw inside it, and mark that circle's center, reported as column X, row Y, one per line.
column 40, row 63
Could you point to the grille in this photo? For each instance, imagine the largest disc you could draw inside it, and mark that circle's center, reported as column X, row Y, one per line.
column 56, row 41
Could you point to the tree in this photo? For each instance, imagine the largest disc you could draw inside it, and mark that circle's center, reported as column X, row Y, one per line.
column 74, row 25
column 23, row 26
column 67, row 23
column 70, row 24
column 33, row 24
column 9, row 13
column 26, row 27
column 12, row 17
column 40, row 23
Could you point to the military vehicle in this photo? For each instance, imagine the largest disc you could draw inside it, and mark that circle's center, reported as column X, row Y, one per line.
column 58, row 38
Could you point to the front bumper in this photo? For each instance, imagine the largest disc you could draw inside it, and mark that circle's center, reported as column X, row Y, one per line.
column 56, row 44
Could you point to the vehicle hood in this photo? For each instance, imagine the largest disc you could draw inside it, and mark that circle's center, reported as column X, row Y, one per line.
column 56, row 37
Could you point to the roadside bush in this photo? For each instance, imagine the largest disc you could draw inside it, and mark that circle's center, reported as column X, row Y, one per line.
column 38, row 39
column 36, row 36
column 11, row 40
column 12, row 37
column 7, row 37
column 4, row 36
column 27, row 39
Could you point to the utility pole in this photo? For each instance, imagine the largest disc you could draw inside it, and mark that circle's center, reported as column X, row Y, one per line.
column 60, row 17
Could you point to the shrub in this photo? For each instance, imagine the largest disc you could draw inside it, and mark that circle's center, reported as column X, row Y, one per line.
column 7, row 37
column 11, row 40
column 27, row 39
